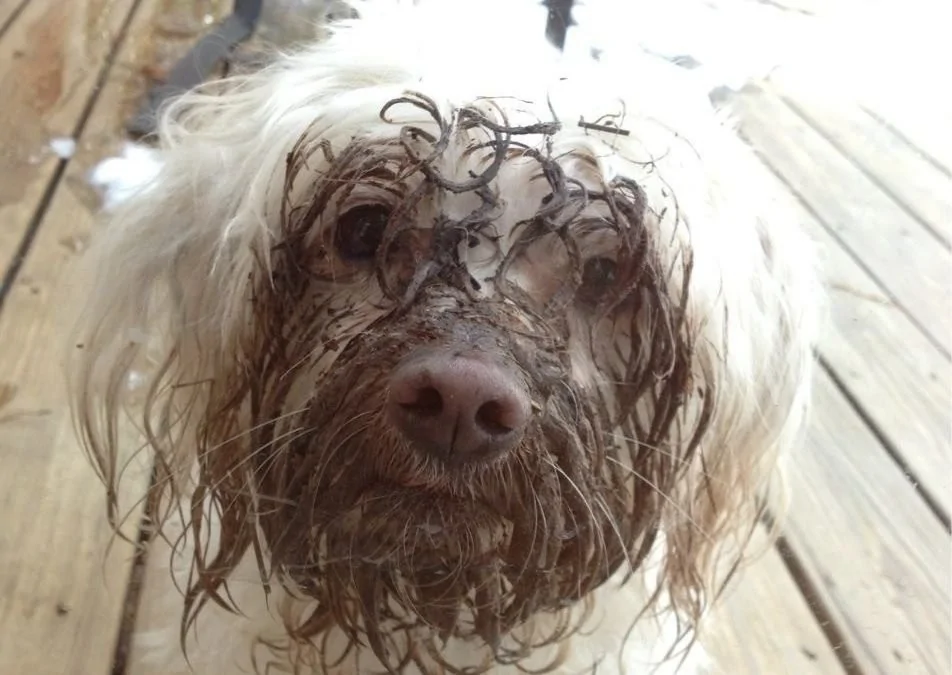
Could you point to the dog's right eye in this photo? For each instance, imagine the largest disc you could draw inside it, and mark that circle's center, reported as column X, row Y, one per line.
column 360, row 231
column 598, row 275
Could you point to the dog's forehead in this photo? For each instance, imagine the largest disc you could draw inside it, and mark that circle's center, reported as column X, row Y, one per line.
column 490, row 185
column 519, row 182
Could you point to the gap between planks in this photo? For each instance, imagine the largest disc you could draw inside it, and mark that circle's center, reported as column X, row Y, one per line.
column 765, row 622
column 892, row 247
column 64, row 572
column 869, row 545
column 856, row 521
column 50, row 73
column 897, row 379
column 915, row 184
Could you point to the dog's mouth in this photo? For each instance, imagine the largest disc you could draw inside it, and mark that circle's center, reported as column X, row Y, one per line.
column 408, row 529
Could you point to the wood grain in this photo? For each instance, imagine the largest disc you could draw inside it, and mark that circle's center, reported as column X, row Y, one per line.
column 50, row 61
column 915, row 183
column 63, row 587
column 900, row 379
column 905, row 259
column 763, row 625
column 870, row 545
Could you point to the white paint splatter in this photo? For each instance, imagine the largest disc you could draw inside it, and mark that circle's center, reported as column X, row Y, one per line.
column 63, row 147
column 118, row 178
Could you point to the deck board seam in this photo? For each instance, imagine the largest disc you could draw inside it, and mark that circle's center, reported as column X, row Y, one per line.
column 861, row 167
column 49, row 192
column 887, row 445
column 893, row 299
column 130, row 601
column 824, row 616
column 13, row 17
column 936, row 163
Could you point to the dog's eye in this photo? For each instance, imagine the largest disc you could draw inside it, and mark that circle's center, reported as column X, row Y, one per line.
column 360, row 230
column 598, row 275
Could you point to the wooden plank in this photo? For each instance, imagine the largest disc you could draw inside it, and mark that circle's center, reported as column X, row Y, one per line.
column 922, row 127
column 905, row 258
column 8, row 12
column 50, row 60
column 900, row 379
column 897, row 376
column 906, row 175
column 764, row 625
column 898, row 81
column 63, row 589
column 869, row 544
column 921, row 115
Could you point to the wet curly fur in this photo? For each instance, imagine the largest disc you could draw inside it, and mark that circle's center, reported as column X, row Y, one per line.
column 315, row 224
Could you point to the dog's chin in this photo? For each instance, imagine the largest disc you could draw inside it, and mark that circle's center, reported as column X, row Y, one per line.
column 408, row 560
column 385, row 538
column 414, row 531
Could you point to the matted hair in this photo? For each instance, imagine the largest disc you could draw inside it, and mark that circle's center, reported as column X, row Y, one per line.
column 667, row 353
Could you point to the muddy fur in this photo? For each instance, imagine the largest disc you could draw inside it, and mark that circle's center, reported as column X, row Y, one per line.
column 660, row 328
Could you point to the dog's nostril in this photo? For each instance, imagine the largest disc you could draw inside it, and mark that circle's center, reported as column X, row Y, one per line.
column 492, row 416
column 456, row 408
column 428, row 403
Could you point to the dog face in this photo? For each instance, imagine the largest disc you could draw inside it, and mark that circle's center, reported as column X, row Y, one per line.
column 467, row 364
column 444, row 361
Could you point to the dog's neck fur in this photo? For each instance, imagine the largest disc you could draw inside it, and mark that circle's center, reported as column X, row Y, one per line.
column 609, row 641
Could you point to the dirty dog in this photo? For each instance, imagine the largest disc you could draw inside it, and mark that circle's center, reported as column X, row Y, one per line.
column 448, row 356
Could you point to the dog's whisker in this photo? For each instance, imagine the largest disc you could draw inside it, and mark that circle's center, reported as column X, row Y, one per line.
column 670, row 501
column 605, row 512
column 657, row 448
column 251, row 430
column 428, row 370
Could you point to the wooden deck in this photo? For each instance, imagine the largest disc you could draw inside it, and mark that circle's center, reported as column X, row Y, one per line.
column 860, row 581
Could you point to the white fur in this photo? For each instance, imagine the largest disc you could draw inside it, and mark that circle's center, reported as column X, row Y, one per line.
column 177, row 251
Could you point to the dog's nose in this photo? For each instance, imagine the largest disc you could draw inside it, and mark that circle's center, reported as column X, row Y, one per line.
column 461, row 409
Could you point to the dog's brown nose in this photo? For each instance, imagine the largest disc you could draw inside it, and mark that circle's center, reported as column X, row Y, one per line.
column 459, row 408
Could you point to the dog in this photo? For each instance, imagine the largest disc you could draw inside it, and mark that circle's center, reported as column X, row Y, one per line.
column 449, row 356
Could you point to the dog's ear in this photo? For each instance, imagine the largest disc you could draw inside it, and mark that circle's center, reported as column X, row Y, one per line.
column 753, row 316
column 161, row 294
column 151, row 318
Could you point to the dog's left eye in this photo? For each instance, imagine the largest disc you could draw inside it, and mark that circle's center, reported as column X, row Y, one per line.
column 360, row 230
column 598, row 275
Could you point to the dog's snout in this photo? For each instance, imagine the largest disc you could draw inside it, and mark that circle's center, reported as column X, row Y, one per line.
column 459, row 408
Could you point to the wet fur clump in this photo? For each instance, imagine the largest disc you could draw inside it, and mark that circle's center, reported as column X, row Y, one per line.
column 319, row 223
column 384, row 540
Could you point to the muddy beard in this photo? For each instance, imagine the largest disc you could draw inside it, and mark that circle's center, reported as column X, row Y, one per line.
column 389, row 542
column 393, row 549
column 402, row 553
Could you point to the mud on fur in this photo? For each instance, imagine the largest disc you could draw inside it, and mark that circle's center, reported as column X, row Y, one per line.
column 335, row 238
